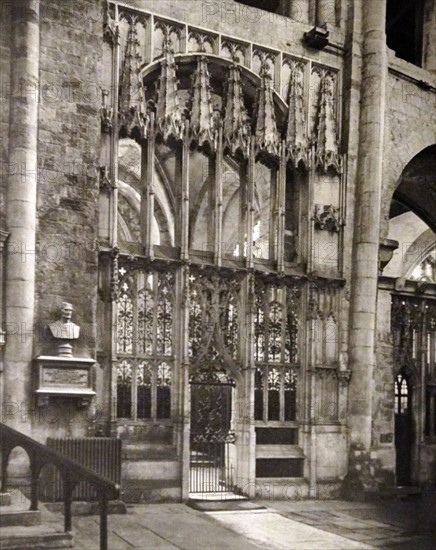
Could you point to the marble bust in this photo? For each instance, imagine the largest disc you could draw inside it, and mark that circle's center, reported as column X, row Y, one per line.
column 65, row 329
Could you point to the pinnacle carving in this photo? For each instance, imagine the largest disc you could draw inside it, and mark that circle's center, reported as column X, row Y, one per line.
column 266, row 136
column 203, row 120
column 236, row 120
column 133, row 118
column 169, row 116
column 297, row 145
column 327, row 150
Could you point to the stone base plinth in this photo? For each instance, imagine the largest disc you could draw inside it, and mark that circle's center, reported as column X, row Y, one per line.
column 5, row 499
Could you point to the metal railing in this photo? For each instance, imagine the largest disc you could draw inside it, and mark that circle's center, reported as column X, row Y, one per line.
column 72, row 473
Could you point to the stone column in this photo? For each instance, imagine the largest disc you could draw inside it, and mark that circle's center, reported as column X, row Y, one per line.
column 21, row 207
column 367, row 224
column 429, row 36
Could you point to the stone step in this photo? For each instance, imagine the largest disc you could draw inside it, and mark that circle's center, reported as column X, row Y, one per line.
column 21, row 528
column 151, row 490
column 147, row 451
column 36, row 537
column 150, row 469
column 87, row 508
column 23, row 518
column 17, row 512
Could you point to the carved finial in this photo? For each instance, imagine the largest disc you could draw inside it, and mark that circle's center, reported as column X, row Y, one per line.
column 266, row 135
column 236, row 121
column 168, row 113
column 133, row 117
column 203, row 119
column 297, row 145
column 327, row 149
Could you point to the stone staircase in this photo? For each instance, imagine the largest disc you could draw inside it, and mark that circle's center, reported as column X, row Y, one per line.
column 26, row 523
column 21, row 528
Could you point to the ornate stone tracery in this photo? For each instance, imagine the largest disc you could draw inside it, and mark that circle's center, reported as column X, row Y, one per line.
column 133, row 120
column 266, row 136
column 297, row 143
column 214, row 315
column 169, row 115
column 236, row 124
column 204, row 123
column 327, row 155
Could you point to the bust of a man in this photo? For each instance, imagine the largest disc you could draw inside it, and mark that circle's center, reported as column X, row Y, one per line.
column 65, row 329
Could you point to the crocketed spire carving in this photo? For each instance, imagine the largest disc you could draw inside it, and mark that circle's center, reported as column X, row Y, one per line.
column 326, row 141
column 203, row 123
column 297, row 145
column 236, row 125
column 132, row 112
column 168, row 113
column 266, row 136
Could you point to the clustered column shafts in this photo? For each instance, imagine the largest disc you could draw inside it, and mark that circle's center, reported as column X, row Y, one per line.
column 218, row 199
column 147, row 195
column 367, row 228
column 21, row 198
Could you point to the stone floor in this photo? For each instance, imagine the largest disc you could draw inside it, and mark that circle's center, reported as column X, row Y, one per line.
column 305, row 525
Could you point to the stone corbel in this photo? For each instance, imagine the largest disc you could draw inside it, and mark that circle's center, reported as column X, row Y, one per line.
column 344, row 377
column 327, row 217
column 324, row 371
column 317, row 38
column 385, row 253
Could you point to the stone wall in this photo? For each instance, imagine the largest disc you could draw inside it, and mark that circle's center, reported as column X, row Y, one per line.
column 68, row 148
column 410, row 126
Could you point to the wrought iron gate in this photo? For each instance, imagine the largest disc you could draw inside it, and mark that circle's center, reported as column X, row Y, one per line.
column 212, row 440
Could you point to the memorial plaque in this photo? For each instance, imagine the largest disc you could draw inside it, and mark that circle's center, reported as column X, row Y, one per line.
column 54, row 377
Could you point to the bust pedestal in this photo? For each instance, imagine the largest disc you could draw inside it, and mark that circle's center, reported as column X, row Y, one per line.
column 58, row 376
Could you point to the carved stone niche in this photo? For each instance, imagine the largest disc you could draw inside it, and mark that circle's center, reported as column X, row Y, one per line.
column 64, row 377
column 385, row 253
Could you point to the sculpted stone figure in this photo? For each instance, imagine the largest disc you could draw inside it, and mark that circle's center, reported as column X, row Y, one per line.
column 65, row 329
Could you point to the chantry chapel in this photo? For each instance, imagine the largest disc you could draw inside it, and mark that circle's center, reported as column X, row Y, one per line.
column 238, row 200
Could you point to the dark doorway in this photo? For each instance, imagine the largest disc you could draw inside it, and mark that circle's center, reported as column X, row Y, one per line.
column 403, row 428
column 212, row 441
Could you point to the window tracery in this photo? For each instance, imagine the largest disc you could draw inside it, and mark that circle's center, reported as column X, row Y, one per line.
column 276, row 352
column 414, row 332
column 214, row 308
column 144, row 343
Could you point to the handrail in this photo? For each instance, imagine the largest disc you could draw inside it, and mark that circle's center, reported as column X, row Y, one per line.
column 71, row 471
